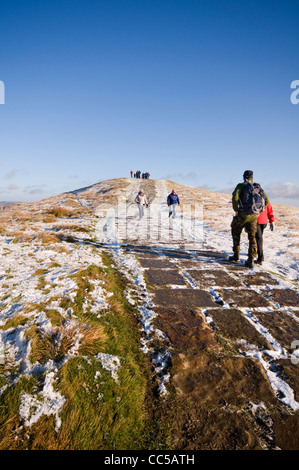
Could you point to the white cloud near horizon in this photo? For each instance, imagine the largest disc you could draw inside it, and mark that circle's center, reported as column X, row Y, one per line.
column 226, row 190
column 191, row 176
column 278, row 190
column 15, row 172
column 38, row 189
column 275, row 190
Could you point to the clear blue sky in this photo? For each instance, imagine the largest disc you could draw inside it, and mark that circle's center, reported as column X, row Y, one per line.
column 193, row 90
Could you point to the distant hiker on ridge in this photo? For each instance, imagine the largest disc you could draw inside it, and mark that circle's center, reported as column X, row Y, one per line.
column 248, row 200
column 262, row 221
column 131, row 174
column 172, row 202
column 141, row 202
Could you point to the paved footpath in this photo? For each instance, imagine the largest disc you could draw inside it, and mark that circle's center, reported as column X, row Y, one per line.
column 229, row 333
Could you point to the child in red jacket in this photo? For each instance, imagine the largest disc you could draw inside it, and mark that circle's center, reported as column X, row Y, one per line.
column 263, row 218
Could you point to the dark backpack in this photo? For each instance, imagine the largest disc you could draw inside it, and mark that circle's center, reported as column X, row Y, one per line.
column 253, row 200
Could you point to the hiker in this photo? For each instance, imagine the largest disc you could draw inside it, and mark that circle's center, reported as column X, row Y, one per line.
column 131, row 174
column 248, row 200
column 141, row 202
column 172, row 202
column 262, row 221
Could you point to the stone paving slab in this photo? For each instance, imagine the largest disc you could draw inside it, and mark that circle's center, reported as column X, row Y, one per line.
column 232, row 324
column 214, row 428
column 141, row 250
column 289, row 373
column 209, row 254
column 233, row 266
column 257, row 279
column 186, row 328
column 195, row 264
column 285, row 429
column 183, row 297
column 177, row 254
column 281, row 326
column 154, row 262
column 243, row 298
column 159, row 277
column 283, row 297
column 212, row 380
column 213, row 277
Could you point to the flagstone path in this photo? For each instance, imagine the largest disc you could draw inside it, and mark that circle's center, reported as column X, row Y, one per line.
column 228, row 333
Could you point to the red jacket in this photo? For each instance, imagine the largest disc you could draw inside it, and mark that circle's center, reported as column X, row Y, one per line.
column 267, row 215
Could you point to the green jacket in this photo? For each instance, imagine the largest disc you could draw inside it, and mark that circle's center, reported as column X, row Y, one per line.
column 238, row 195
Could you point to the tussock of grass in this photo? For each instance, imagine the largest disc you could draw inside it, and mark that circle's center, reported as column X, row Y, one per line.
column 60, row 211
column 48, row 238
column 72, row 227
column 59, row 341
column 39, row 272
column 44, row 237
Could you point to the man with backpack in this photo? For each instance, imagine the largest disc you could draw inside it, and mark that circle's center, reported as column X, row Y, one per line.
column 172, row 202
column 248, row 200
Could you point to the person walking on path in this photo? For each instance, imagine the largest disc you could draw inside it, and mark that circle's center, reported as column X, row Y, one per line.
column 262, row 221
column 172, row 201
column 131, row 174
column 248, row 200
column 141, row 202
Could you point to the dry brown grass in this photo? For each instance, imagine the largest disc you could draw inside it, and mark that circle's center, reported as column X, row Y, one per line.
column 58, row 211
column 72, row 227
column 58, row 342
column 17, row 320
column 21, row 237
column 48, row 218
column 48, row 237
column 45, row 238
column 20, row 216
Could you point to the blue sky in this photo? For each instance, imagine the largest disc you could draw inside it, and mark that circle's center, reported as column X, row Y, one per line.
column 195, row 91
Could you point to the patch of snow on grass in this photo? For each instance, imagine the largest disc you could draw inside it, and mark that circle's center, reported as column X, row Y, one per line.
column 110, row 363
column 47, row 402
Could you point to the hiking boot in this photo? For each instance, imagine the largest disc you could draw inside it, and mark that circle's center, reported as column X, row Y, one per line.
column 258, row 261
column 249, row 263
column 234, row 259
